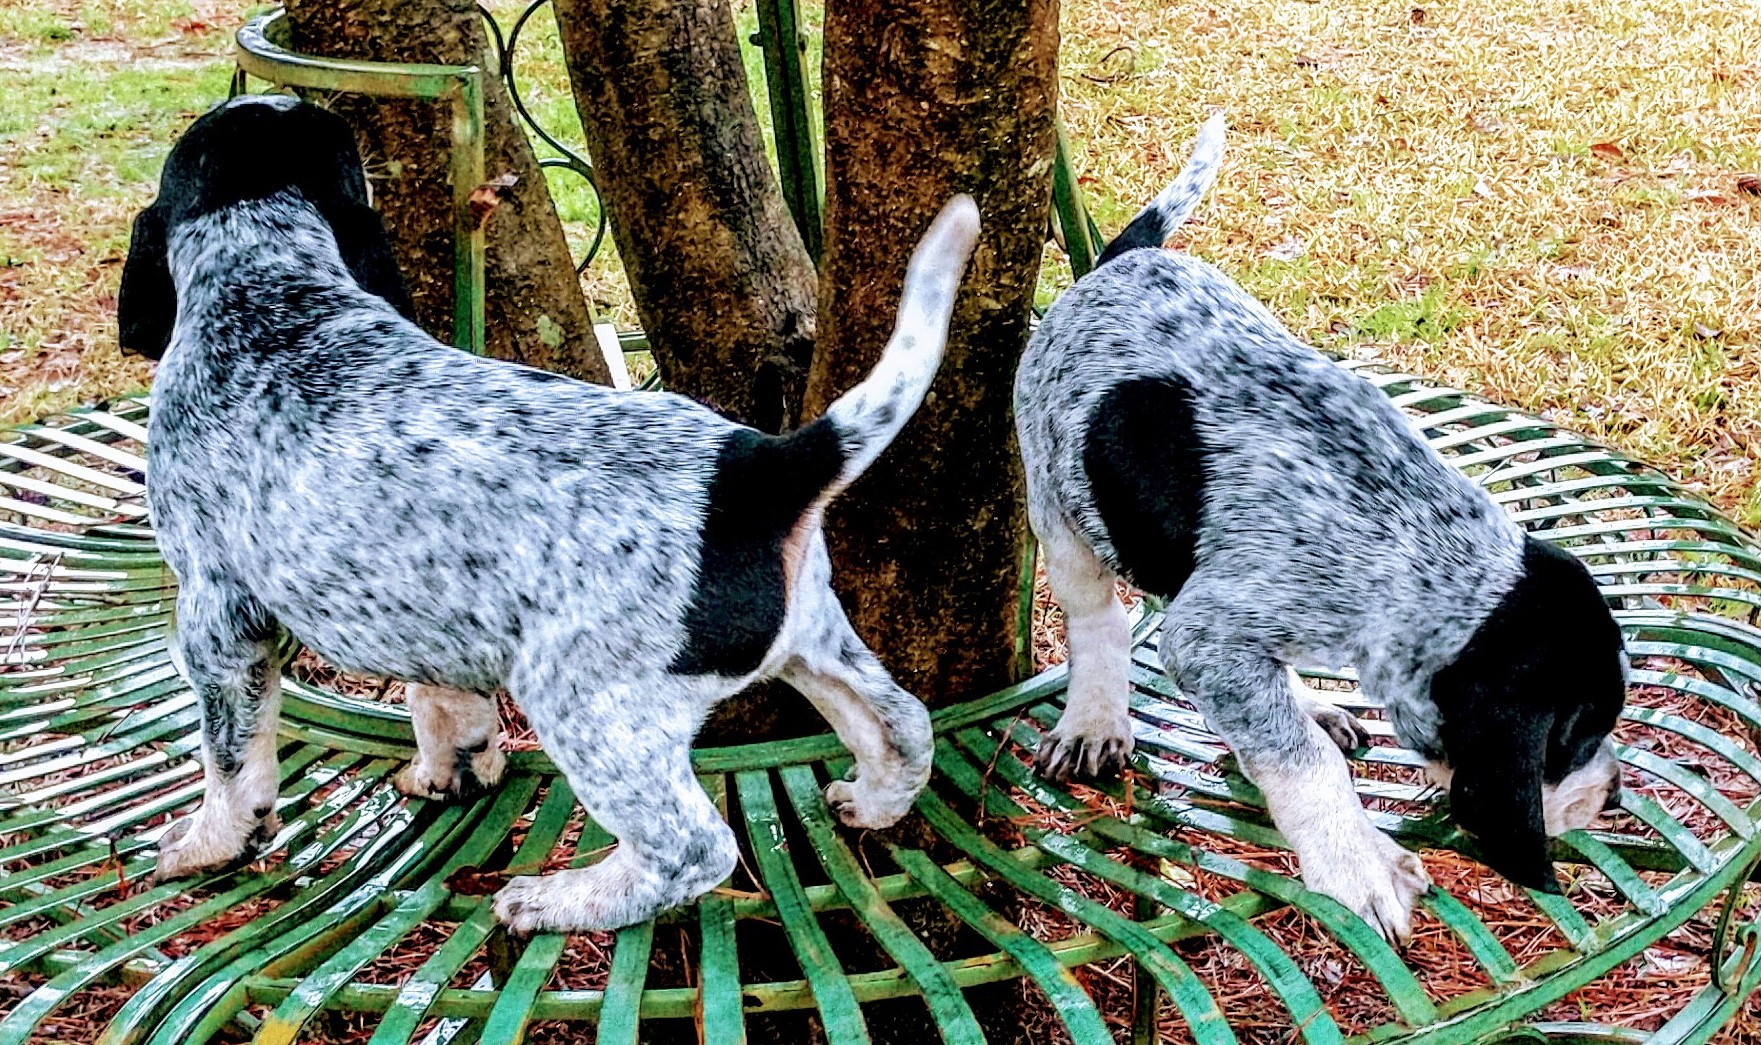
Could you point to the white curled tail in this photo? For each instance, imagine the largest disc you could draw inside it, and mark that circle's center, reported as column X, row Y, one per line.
column 869, row 416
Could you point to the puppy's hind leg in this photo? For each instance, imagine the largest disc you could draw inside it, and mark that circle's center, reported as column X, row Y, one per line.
column 225, row 648
column 457, row 743
column 885, row 728
column 1093, row 737
column 625, row 751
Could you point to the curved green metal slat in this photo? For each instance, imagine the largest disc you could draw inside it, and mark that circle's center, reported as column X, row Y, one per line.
column 842, row 1017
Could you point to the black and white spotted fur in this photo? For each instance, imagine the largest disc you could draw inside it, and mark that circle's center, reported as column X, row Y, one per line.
column 620, row 561
column 1177, row 436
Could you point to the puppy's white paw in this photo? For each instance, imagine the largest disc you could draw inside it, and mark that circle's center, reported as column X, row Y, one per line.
column 1089, row 751
column 464, row 774
column 1340, row 725
column 609, row 895
column 207, row 841
column 1377, row 880
column 858, row 804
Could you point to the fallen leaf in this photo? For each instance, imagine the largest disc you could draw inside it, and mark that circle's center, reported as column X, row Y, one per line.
column 1706, row 196
column 1608, row 151
column 469, row 881
column 1288, row 249
column 1481, row 189
column 1487, row 124
column 1749, row 183
column 490, row 195
column 1705, row 332
column 1418, row 16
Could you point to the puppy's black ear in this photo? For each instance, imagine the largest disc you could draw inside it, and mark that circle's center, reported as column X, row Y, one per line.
column 366, row 250
column 146, row 306
column 1495, row 795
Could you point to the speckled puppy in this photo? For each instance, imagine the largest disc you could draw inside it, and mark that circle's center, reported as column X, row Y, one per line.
column 619, row 561
column 1176, row 435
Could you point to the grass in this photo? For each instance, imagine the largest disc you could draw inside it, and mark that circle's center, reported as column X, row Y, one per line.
column 1536, row 200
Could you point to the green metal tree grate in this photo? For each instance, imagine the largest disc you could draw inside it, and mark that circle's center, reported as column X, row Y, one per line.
column 98, row 737
column 1162, row 895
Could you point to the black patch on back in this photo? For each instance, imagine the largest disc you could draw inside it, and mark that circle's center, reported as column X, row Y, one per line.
column 762, row 484
column 1146, row 468
column 1148, row 229
column 1527, row 701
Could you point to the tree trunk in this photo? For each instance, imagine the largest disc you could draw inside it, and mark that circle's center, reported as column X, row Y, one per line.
column 923, row 99
column 722, row 281
column 535, row 311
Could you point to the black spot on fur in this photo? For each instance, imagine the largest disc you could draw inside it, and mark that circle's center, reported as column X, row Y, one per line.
column 762, row 484
column 1145, row 464
column 1527, row 701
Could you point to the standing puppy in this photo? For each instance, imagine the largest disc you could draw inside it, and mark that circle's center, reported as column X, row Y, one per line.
column 1177, row 436
column 620, row 561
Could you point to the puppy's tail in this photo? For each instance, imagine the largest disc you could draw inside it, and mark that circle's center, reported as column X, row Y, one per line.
column 868, row 417
column 1174, row 204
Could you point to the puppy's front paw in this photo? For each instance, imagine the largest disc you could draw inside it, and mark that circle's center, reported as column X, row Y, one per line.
column 202, row 842
column 1094, row 753
column 1340, row 725
column 467, row 772
column 1379, row 883
column 858, row 805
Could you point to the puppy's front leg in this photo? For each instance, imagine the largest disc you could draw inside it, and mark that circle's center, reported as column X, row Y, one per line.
column 224, row 642
column 1093, row 737
column 1248, row 698
column 458, row 748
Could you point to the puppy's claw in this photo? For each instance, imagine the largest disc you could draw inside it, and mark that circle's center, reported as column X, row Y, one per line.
column 1381, row 887
column 860, row 807
column 190, row 847
column 465, row 775
column 1341, row 726
column 1063, row 757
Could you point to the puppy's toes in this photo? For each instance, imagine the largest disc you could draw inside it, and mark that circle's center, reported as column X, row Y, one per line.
column 521, row 906
column 864, row 808
column 469, row 772
column 1087, row 755
column 1380, row 885
column 1341, row 726
column 197, row 845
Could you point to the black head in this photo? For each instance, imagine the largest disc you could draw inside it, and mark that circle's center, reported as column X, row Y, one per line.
column 1527, row 709
column 248, row 148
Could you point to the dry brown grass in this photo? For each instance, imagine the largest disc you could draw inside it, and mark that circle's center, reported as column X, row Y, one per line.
column 1538, row 201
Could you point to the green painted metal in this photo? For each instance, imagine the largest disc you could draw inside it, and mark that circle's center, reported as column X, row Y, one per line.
column 97, row 738
column 262, row 52
column 781, row 37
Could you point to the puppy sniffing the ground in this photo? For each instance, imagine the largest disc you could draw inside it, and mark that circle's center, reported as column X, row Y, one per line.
column 619, row 561
column 1177, row 436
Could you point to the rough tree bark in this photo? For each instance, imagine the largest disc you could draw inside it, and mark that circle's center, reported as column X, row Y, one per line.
column 722, row 282
column 534, row 307
column 925, row 98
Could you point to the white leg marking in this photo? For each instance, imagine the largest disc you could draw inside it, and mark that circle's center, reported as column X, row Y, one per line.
column 1093, row 737
column 1342, row 854
column 886, row 729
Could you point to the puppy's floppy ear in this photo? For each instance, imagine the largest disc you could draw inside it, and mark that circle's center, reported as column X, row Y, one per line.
column 146, row 306
column 366, row 250
column 1495, row 794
